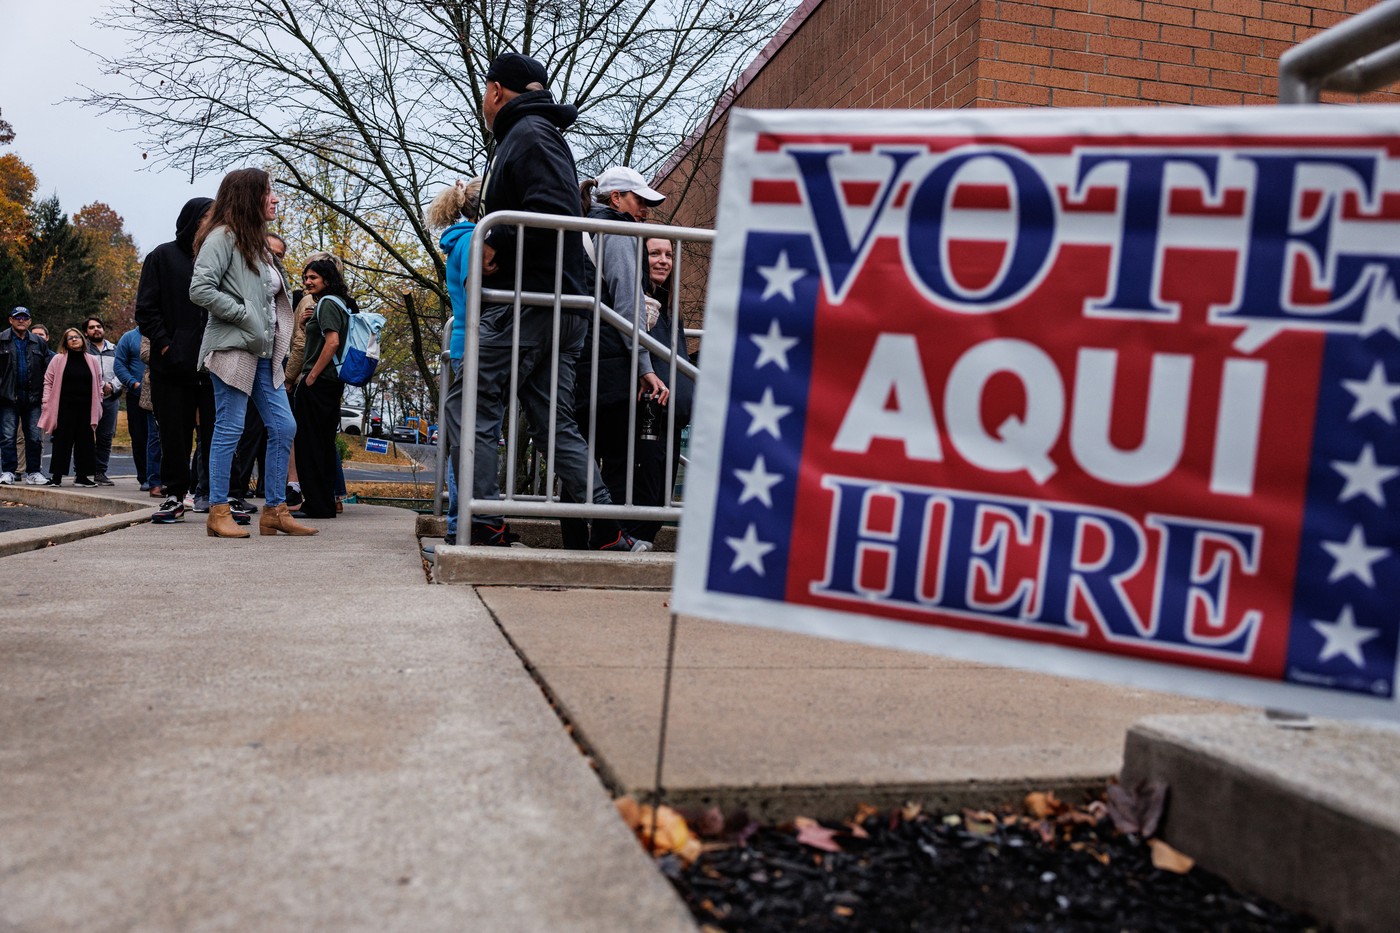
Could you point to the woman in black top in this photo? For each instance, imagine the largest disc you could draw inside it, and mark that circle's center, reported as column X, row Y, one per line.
column 72, row 406
column 317, row 403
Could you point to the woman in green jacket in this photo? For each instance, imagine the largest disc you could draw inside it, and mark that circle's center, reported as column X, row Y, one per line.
column 245, row 343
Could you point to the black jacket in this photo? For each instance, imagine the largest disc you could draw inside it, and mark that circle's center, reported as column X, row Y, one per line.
column 36, row 352
column 533, row 170
column 164, row 311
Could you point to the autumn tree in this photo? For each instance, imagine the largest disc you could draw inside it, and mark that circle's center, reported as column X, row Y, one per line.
column 17, row 186
column 388, row 91
column 116, row 260
column 7, row 132
column 62, row 277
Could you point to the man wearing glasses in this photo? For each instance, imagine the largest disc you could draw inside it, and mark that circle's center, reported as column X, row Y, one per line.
column 106, row 352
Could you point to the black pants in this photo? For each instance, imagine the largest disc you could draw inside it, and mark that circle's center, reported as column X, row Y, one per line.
column 252, row 449
column 136, row 427
column 176, row 405
column 610, row 454
column 73, row 437
column 317, row 410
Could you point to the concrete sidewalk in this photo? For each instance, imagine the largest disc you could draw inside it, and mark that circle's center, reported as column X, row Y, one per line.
column 288, row 734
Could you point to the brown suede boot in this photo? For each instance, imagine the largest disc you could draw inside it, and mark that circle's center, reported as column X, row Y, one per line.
column 221, row 523
column 280, row 519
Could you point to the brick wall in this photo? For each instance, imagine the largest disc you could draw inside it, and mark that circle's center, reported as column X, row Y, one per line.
column 1003, row 53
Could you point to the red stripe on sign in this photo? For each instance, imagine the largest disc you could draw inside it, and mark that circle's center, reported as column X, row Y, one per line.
column 860, row 193
column 1352, row 209
column 902, row 194
column 980, row 197
column 775, row 192
column 1191, row 202
column 1100, row 199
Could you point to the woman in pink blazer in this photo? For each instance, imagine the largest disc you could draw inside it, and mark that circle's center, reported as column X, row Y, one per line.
column 72, row 406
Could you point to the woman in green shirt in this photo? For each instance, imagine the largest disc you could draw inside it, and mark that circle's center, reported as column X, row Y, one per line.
column 317, row 402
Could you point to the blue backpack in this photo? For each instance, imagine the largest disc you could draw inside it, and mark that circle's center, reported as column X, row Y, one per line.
column 358, row 357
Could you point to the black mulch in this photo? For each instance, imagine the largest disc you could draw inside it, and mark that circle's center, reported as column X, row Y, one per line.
column 960, row 873
column 15, row 515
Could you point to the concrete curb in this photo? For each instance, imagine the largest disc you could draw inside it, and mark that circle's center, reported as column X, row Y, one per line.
column 106, row 514
column 536, row 532
column 526, row 566
column 1307, row 817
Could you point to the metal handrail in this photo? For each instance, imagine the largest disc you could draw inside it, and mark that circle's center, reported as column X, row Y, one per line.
column 1357, row 55
column 549, row 504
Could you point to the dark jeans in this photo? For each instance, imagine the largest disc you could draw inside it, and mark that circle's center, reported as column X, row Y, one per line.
column 14, row 421
column 177, row 404
column 537, row 349
column 72, row 437
column 317, row 410
column 106, row 430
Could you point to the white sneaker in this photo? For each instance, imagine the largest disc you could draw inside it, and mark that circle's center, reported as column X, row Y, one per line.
column 36, row 479
column 639, row 546
column 7, row 478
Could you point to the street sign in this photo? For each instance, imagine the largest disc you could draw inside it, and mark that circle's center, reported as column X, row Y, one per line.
column 1102, row 393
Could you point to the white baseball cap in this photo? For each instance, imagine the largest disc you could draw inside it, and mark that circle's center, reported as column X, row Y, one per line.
column 621, row 178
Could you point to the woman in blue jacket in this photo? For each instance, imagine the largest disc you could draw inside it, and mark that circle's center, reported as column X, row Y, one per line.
column 455, row 213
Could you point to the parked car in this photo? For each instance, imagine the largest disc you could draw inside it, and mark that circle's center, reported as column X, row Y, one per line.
column 352, row 421
column 404, row 433
column 375, row 425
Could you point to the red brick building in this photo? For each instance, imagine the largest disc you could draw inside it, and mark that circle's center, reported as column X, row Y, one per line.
column 923, row 54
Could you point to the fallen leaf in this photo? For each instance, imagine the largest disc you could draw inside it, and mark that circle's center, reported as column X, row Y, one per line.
column 841, row 910
column 911, row 811
column 1044, row 804
column 629, row 810
column 1138, row 810
column 1168, row 859
column 865, row 811
column 709, row 822
column 811, row 833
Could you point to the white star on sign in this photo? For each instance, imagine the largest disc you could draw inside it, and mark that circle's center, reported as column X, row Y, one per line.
column 766, row 414
column 780, row 278
column 1344, row 637
column 1382, row 311
column 773, row 347
column 1373, row 395
column 749, row 551
column 1353, row 557
column 758, row 482
column 1364, row 477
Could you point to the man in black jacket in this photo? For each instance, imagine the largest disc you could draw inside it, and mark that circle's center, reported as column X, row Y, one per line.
column 175, row 327
column 532, row 170
column 23, row 359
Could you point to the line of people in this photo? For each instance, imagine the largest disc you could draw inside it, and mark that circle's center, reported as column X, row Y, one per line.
column 533, row 170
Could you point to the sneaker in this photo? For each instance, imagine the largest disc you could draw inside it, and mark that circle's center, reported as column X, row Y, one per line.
column 7, row 478
column 638, row 546
column 293, row 497
column 623, row 542
column 484, row 535
column 201, row 504
column 239, row 504
column 102, row 480
column 85, row 482
column 171, row 510
column 239, row 512
column 36, row 479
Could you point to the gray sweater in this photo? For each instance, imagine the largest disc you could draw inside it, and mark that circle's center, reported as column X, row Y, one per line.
column 239, row 317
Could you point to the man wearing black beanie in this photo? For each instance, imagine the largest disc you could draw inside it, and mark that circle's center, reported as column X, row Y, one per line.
column 532, row 170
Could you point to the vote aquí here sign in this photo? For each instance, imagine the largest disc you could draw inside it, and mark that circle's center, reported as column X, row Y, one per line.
column 1107, row 393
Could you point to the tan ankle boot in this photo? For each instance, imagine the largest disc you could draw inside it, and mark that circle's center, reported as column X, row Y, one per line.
column 280, row 519
column 221, row 523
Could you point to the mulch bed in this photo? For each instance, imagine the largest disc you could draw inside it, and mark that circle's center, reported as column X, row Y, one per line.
column 974, row 871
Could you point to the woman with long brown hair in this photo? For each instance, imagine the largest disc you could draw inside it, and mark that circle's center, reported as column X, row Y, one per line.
column 245, row 343
column 71, row 409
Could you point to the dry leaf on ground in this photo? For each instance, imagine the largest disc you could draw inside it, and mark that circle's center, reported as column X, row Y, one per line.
column 1137, row 811
column 1168, row 859
column 813, row 834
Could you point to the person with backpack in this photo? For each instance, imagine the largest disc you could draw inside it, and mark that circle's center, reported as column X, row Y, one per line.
column 245, row 343
column 317, row 400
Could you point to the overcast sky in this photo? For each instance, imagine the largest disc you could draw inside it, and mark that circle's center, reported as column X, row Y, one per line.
column 77, row 152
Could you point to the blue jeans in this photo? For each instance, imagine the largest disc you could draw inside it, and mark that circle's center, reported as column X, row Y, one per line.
column 11, row 417
column 230, row 408
column 106, row 430
column 152, row 449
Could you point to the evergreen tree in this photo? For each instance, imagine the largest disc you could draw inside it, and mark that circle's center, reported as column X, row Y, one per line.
column 13, row 288
column 62, row 274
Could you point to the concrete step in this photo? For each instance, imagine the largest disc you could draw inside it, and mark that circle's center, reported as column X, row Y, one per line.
column 1307, row 817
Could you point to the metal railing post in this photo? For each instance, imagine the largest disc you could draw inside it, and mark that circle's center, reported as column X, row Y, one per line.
column 1341, row 58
